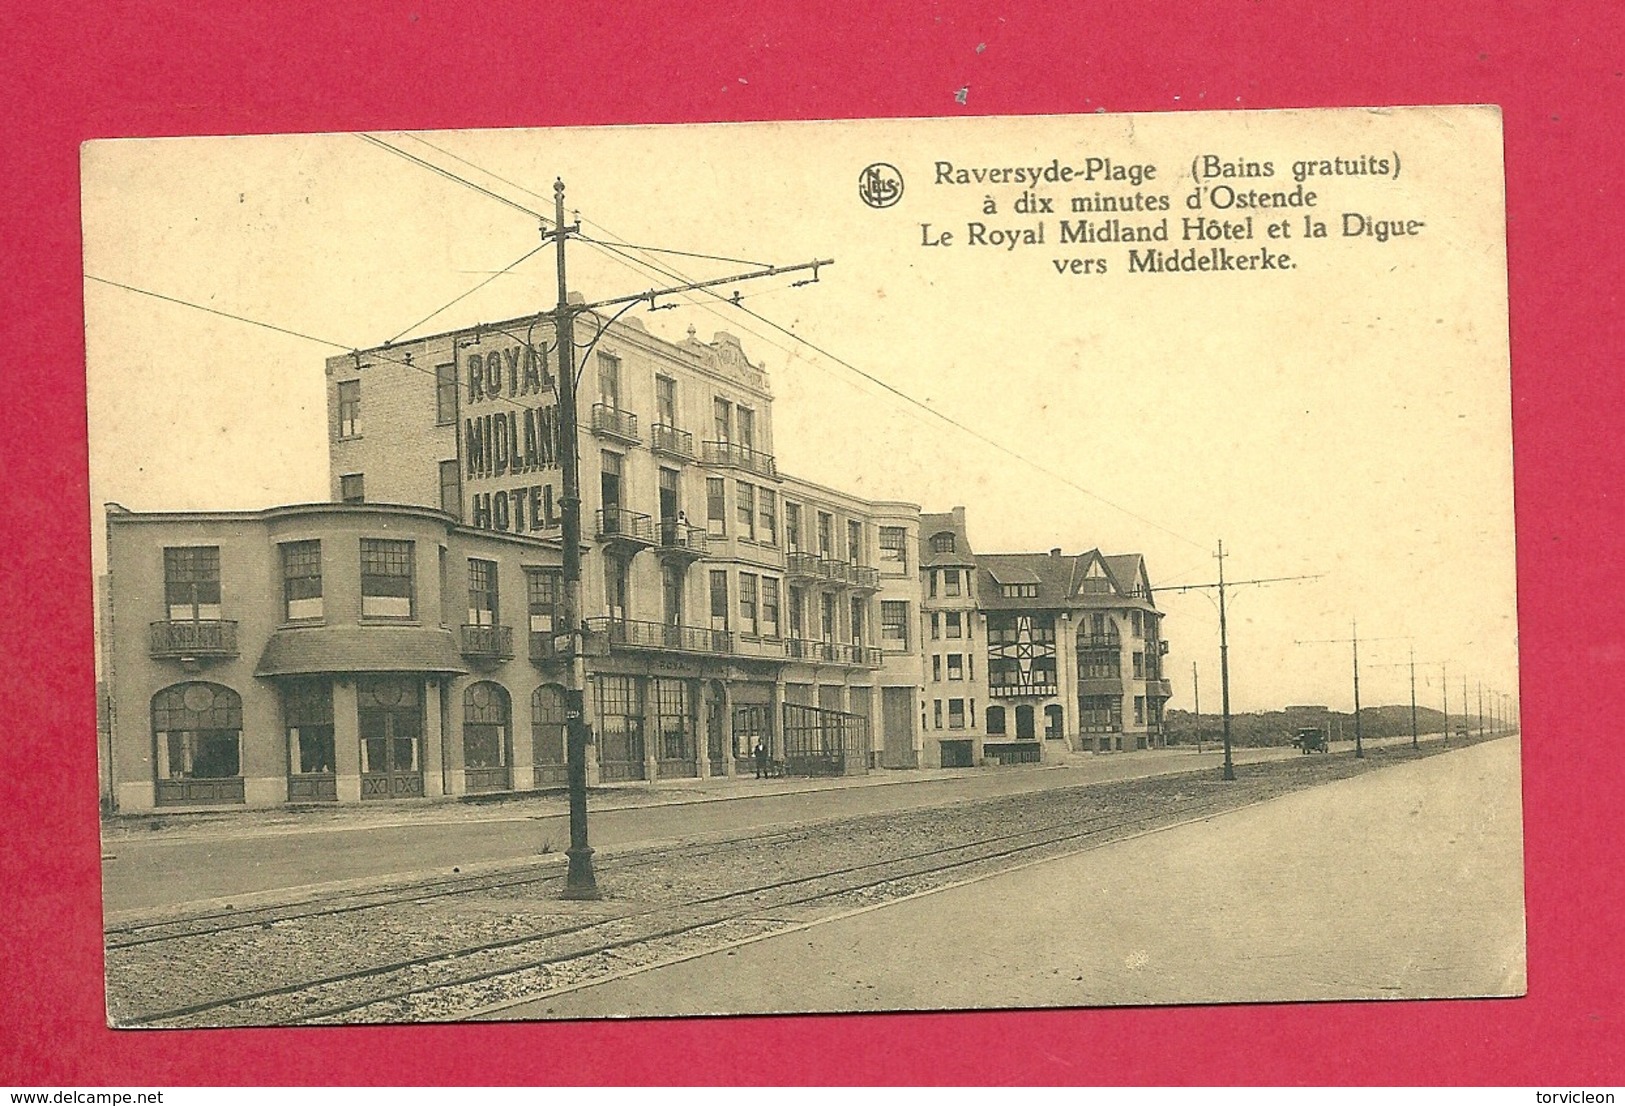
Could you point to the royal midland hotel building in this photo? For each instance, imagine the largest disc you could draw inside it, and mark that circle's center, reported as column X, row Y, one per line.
column 403, row 640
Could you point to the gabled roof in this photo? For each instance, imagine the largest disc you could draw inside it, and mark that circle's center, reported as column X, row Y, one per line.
column 953, row 523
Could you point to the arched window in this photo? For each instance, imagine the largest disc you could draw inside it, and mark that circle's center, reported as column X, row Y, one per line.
column 547, row 735
column 995, row 721
column 943, row 542
column 1053, row 722
column 197, row 731
column 485, row 737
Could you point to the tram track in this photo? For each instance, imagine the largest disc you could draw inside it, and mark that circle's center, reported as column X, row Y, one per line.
column 713, row 911
column 321, row 963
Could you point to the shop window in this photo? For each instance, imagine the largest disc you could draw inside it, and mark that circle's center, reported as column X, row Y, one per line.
column 307, row 713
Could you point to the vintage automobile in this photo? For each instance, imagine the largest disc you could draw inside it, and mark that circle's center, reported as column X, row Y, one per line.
column 1311, row 739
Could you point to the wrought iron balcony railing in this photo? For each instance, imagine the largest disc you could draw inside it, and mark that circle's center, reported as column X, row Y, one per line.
column 681, row 538
column 182, row 640
column 614, row 422
column 738, row 456
column 801, row 566
column 620, row 524
column 863, row 577
column 1019, row 691
column 671, row 441
column 487, row 642
column 625, row 633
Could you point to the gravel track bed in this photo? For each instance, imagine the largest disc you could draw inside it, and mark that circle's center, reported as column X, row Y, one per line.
column 441, row 949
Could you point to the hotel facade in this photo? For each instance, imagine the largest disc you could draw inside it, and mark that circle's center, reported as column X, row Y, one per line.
column 405, row 639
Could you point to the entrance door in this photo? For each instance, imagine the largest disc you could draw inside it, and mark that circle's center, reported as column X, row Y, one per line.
column 390, row 713
column 897, row 727
column 1024, row 723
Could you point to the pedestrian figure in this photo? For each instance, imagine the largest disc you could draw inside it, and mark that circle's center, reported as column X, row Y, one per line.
column 761, row 759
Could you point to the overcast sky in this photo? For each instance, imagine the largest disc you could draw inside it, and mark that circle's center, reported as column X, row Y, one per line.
column 1348, row 417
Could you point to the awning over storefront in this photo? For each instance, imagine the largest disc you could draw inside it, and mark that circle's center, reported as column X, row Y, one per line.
column 311, row 650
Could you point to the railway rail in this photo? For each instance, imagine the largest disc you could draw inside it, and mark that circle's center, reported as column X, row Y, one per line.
column 450, row 947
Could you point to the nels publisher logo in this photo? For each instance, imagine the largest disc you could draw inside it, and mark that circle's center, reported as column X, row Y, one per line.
column 880, row 185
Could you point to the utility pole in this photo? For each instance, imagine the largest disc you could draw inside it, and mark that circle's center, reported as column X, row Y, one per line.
column 1481, row 708
column 1415, row 740
column 1196, row 690
column 1464, row 702
column 580, row 882
column 1354, row 638
column 1224, row 643
column 1444, row 689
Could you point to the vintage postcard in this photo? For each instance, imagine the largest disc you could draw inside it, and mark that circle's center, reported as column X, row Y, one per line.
column 870, row 565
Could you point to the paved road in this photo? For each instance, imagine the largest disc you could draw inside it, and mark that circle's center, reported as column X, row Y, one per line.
column 1401, row 883
column 166, row 863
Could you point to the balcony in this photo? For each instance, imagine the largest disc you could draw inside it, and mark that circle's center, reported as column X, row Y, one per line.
column 1023, row 691
column 734, row 455
column 863, row 577
column 631, row 530
column 1100, row 641
column 193, row 640
column 801, row 566
column 671, row 441
column 664, row 637
column 487, row 643
column 833, row 572
column 1159, row 689
column 832, row 652
column 682, row 542
column 612, row 422
column 1100, row 685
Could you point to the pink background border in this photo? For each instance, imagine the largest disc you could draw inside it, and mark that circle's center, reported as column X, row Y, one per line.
column 212, row 67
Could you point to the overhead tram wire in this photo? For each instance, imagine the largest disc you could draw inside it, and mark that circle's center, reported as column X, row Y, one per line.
column 449, row 175
column 670, row 272
column 676, row 274
column 378, row 353
column 446, row 307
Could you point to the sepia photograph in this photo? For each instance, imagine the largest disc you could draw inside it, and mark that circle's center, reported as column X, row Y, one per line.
column 804, row 567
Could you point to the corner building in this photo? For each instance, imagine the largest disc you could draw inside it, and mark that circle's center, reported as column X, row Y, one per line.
column 1030, row 656
column 405, row 640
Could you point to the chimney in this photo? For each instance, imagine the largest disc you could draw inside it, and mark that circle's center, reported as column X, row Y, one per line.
column 1056, row 552
column 959, row 517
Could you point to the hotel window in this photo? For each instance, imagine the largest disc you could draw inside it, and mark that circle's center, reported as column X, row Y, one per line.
column 482, row 593
column 192, row 583
column 956, row 666
column 719, row 599
column 951, row 624
column 894, row 548
column 857, row 620
column 950, row 583
column 956, row 714
column 307, row 714
column 544, row 594
column 671, row 593
column 826, row 536
column 770, row 607
column 936, row 625
column 894, row 623
column 1134, row 621
column 616, row 586
column 936, row 669
column 349, row 408
column 995, row 721
column 445, row 394
column 768, row 516
column 665, row 401
column 1020, row 591
column 1139, row 666
column 854, row 543
column 722, row 419
column 747, row 604
column 932, row 577
column 386, row 578
column 1139, row 709
column 942, row 543
column 609, row 381
column 746, row 496
column 792, row 527
column 451, row 492
column 973, row 714
column 745, row 424
column 936, row 712
column 353, row 488
column 827, row 617
column 798, row 613
column 301, row 580
column 716, row 506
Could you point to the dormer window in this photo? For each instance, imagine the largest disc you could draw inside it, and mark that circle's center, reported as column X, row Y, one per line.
column 942, row 543
column 1019, row 591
